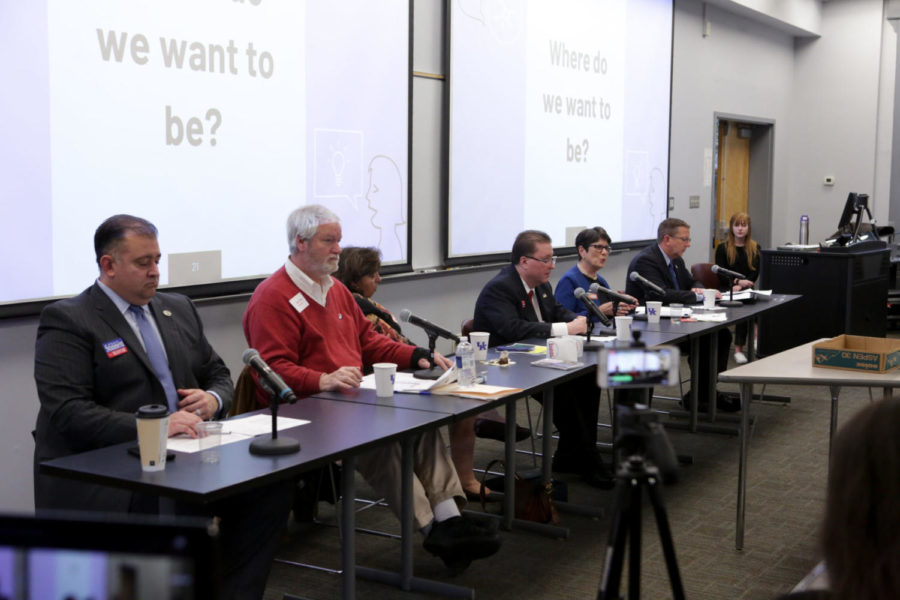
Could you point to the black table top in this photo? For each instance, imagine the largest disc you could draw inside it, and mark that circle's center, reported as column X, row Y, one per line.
column 336, row 429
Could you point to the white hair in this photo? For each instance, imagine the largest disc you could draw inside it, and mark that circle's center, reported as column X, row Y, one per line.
column 305, row 221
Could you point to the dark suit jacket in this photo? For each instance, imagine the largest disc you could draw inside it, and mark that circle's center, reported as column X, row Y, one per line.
column 503, row 309
column 88, row 398
column 651, row 263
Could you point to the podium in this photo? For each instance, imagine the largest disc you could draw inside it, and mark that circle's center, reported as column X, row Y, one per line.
column 844, row 290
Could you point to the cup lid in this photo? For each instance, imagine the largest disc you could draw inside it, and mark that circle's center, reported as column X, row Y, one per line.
column 152, row 411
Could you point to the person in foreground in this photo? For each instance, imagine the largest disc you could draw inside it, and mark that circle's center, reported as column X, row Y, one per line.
column 662, row 263
column 593, row 247
column 517, row 304
column 117, row 346
column 740, row 253
column 308, row 328
column 861, row 530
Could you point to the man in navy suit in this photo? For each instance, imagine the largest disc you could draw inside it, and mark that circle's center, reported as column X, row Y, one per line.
column 662, row 263
column 117, row 346
column 517, row 304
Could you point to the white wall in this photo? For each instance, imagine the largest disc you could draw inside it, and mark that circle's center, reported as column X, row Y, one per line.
column 743, row 67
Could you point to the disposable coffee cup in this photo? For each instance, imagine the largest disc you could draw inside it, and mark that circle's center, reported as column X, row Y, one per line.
column 384, row 379
column 479, row 341
column 654, row 310
column 152, row 431
column 623, row 329
column 675, row 312
column 209, row 436
column 709, row 298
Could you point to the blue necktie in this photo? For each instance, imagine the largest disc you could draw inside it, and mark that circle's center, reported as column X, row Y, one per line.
column 157, row 356
column 674, row 277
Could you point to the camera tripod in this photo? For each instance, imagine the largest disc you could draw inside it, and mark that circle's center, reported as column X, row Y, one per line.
column 633, row 475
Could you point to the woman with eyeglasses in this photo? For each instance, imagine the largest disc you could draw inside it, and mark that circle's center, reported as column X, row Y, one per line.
column 593, row 247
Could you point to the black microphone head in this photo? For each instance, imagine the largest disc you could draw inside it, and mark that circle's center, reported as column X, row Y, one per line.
column 579, row 292
column 633, row 276
column 249, row 354
column 405, row 314
column 715, row 268
column 594, row 287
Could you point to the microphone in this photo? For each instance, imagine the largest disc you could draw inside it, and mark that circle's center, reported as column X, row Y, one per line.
column 596, row 288
column 592, row 308
column 407, row 317
column 727, row 273
column 637, row 277
column 276, row 384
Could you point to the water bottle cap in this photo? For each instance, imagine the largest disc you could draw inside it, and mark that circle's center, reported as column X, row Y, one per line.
column 804, row 218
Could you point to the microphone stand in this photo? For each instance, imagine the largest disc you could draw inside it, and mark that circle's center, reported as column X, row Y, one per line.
column 588, row 344
column 274, row 445
column 732, row 302
column 434, row 372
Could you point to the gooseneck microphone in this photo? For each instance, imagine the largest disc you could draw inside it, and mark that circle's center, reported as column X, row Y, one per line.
column 407, row 317
column 592, row 308
column 596, row 288
column 272, row 379
column 727, row 273
column 637, row 277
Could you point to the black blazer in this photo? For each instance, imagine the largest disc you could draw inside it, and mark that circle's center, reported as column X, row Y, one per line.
column 651, row 263
column 89, row 393
column 503, row 309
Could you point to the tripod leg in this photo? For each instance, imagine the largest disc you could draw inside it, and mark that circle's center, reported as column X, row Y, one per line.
column 665, row 538
column 634, row 543
column 615, row 550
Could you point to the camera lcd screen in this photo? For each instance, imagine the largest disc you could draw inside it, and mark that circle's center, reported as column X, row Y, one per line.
column 638, row 367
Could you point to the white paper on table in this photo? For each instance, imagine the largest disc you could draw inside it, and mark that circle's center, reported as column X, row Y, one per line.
column 235, row 430
column 666, row 311
column 747, row 294
column 601, row 338
column 407, row 382
column 712, row 317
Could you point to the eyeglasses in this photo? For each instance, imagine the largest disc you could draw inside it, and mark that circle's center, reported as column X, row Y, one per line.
column 546, row 261
column 601, row 248
column 683, row 239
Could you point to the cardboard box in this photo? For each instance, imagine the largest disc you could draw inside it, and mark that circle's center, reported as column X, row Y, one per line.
column 857, row 353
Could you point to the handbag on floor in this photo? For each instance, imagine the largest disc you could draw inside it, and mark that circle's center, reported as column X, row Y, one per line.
column 534, row 497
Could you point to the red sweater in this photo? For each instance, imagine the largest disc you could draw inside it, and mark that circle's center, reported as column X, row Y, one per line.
column 301, row 346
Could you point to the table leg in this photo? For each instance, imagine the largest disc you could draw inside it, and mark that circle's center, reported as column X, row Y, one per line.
column 746, row 397
column 713, row 374
column 835, row 392
column 509, row 487
column 886, row 393
column 695, row 381
column 407, row 528
column 547, row 441
column 348, row 532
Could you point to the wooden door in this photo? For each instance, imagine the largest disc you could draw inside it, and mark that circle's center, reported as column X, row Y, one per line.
column 732, row 174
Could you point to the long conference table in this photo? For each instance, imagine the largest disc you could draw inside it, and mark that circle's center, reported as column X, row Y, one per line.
column 343, row 425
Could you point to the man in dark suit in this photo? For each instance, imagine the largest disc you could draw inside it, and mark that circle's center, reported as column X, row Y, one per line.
column 662, row 264
column 115, row 347
column 518, row 303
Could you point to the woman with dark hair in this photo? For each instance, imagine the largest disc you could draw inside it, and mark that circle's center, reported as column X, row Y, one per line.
column 593, row 245
column 358, row 269
column 861, row 530
column 740, row 253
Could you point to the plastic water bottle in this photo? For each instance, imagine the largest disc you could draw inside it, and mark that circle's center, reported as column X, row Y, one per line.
column 804, row 229
column 465, row 362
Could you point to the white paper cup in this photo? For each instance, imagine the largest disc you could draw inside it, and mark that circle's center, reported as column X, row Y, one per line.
column 654, row 309
column 562, row 348
column 384, row 379
column 579, row 344
column 623, row 328
column 209, row 435
column 675, row 312
column 479, row 341
column 709, row 298
column 152, row 432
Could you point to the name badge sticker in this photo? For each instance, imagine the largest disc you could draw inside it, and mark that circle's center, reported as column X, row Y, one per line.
column 114, row 348
column 299, row 302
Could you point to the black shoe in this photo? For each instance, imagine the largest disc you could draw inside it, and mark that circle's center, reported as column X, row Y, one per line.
column 458, row 541
column 495, row 430
column 728, row 403
column 487, row 523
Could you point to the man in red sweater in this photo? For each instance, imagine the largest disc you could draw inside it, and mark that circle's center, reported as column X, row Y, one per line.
column 308, row 328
